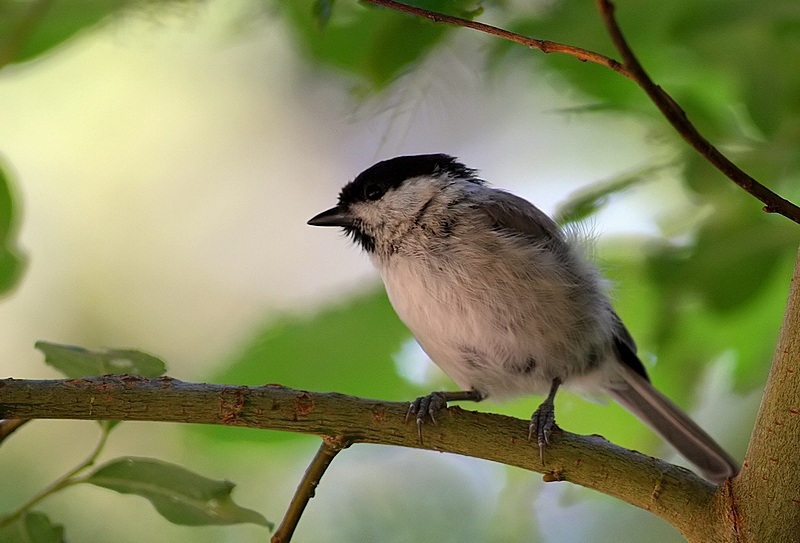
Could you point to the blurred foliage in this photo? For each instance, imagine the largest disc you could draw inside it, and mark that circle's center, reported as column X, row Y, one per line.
column 712, row 286
column 584, row 203
column 11, row 259
column 32, row 527
column 732, row 67
column 29, row 29
column 376, row 44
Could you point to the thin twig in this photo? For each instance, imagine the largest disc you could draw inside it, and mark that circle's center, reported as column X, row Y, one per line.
column 773, row 203
column 68, row 479
column 630, row 68
column 545, row 46
column 328, row 450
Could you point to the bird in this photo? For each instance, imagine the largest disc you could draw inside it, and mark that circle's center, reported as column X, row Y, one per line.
column 502, row 299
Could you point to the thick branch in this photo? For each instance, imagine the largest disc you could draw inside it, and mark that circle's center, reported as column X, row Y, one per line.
column 766, row 497
column 677, row 495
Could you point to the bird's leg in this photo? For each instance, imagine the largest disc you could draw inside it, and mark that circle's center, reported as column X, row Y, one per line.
column 428, row 406
column 543, row 420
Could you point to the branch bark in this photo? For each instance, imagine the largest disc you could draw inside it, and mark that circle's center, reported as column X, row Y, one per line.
column 677, row 495
column 765, row 497
column 328, row 450
column 545, row 46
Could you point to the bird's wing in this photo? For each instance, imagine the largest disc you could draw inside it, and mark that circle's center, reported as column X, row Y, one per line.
column 517, row 215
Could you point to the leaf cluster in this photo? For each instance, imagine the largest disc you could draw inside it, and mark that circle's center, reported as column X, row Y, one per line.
column 179, row 495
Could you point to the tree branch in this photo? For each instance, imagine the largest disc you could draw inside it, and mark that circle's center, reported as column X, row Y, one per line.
column 765, row 498
column 773, row 203
column 328, row 450
column 545, row 46
column 679, row 496
column 632, row 69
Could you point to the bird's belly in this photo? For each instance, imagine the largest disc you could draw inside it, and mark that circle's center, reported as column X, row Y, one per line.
column 491, row 347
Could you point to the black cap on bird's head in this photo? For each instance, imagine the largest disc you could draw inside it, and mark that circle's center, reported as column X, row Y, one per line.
column 377, row 180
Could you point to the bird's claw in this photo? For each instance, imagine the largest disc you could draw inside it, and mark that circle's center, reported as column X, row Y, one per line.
column 426, row 407
column 542, row 423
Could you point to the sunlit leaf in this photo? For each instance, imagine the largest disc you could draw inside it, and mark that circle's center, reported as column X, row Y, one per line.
column 76, row 362
column 590, row 200
column 11, row 260
column 179, row 495
column 32, row 527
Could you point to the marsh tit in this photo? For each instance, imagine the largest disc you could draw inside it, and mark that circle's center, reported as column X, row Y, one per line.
column 501, row 299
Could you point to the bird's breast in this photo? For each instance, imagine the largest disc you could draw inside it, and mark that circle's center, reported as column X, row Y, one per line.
column 488, row 335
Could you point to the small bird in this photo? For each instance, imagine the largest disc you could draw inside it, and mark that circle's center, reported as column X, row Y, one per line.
column 502, row 299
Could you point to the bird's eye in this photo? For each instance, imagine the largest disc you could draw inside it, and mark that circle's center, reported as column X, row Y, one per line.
column 373, row 192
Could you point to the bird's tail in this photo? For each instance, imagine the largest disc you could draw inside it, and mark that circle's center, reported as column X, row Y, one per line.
column 639, row 397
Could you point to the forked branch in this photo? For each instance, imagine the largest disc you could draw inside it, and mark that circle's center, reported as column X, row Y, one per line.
column 632, row 69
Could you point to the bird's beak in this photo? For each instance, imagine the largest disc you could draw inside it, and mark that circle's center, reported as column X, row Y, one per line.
column 334, row 216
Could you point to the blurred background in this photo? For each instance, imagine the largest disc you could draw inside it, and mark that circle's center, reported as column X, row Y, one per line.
column 161, row 161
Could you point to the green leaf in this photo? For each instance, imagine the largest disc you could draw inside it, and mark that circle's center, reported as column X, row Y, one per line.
column 32, row 527
column 587, row 201
column 11, row 260
column 179, row 495
column 30, row 29
column 732, row 258
column 77, row 362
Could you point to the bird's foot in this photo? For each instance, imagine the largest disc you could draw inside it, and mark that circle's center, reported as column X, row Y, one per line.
column 542, row 423
column 426, row 407
column 543, row 420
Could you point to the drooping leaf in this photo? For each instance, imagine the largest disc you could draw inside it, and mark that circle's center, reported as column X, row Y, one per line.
column 77, row 362
column 32, row 527
column 12, row 261
column 179, row 495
